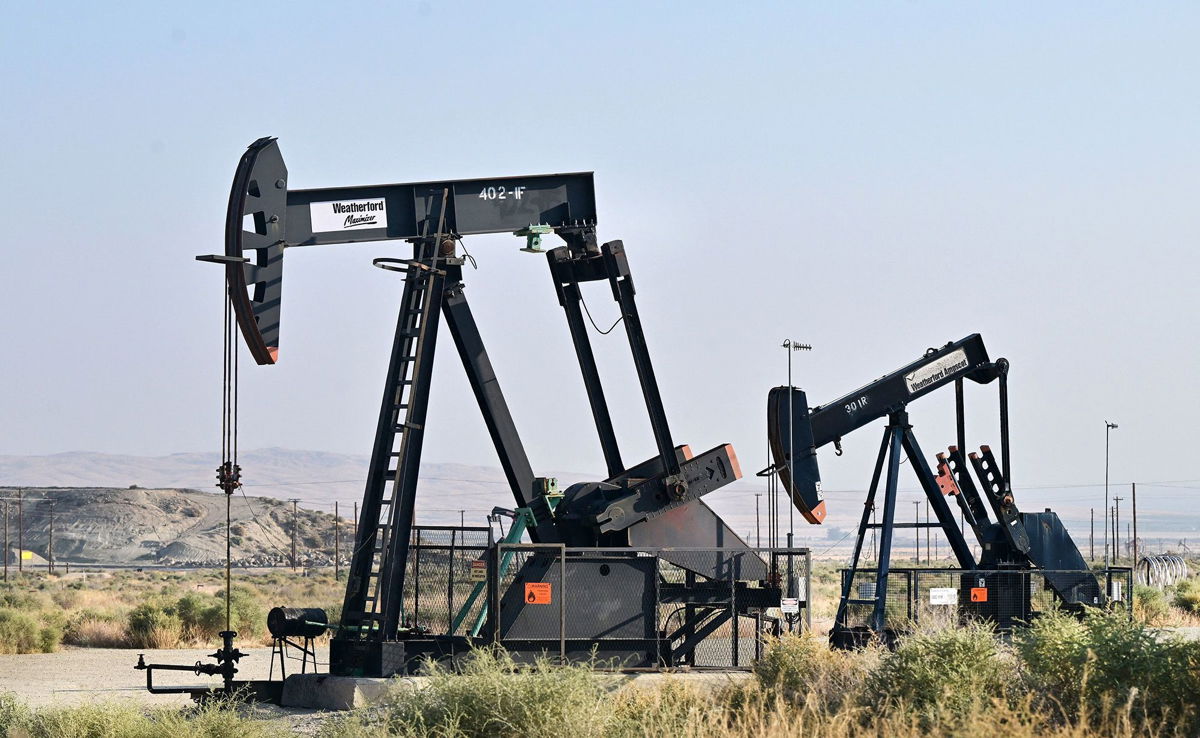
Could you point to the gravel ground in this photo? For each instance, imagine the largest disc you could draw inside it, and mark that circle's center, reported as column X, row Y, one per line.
column 77, row 675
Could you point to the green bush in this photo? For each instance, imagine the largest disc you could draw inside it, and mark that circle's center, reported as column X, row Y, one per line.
column 1106, row 662
column 943, row 673
column 1187, row 596
column 1150, row 604
column 801, row 668
column 19, row 632
column 202, row 618
column 151, row 626
column 17, row 599
column 247, row 614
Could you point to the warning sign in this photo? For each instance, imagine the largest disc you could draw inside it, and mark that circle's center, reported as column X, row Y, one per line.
column 978, row 594
column 537, row 593
column 27, row 555
column 478, row 571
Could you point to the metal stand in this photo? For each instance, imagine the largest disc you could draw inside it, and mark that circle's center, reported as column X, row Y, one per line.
column 279, row 647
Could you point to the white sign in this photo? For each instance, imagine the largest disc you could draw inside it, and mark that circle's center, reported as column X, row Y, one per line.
column 789, row 605
column 348, row 215
column 943, row 596
column 478, row 571
column 936, row 370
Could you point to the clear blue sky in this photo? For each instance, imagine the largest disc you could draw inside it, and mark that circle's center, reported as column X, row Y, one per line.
column 872, row 178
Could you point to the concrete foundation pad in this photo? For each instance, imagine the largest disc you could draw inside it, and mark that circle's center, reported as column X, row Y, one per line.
column 325, row 692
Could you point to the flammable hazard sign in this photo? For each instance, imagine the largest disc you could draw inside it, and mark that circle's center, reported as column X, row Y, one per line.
column 978, row 594
column 537, row 593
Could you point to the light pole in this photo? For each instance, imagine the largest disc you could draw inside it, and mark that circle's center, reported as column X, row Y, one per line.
column 1108, row 427
column 791, row 346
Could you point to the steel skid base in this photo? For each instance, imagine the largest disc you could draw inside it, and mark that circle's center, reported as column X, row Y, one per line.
column 363, row 658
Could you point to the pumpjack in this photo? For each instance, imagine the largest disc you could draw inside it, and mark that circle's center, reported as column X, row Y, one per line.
column 656, row 502
column 1013, row 544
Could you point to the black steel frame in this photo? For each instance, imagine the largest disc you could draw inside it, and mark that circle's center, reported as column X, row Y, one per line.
column 705, row 611
column 912, row 578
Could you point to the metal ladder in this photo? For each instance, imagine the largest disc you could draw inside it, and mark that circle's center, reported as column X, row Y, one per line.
column 372, row 607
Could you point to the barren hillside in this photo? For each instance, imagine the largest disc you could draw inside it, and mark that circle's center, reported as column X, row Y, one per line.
column 168, row 526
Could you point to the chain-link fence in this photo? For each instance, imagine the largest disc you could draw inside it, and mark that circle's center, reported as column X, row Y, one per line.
column 1006, row 598
column 645, row 607
column 438, row 580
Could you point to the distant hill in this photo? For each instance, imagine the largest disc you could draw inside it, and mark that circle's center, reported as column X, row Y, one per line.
column 450, row 492
column 317, row 478
column 166, row 527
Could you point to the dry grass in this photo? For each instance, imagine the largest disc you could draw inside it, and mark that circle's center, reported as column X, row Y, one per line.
column 150, row 609
column 94, row 632
column 953, row 683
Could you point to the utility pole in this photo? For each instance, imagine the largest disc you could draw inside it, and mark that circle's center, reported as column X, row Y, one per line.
column 917, row 527
column 927, row 559
column 1112, row 528
column 1092, row 536
column 1117, row 529
column 1107, row 428
column 294, row 502
column 50, row 550
column 336, row 543
column 20, row 533
column 757, row 523
column 462, row 518
column 1133, row 489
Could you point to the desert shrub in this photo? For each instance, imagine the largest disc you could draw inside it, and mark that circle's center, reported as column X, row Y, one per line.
column 492, row 696
column 19, row 632
column 215, row 720
column 669, row 709
column 26, row 632
column 1150, row 605
column 800, row 668
column 944, row 673
column 202, row 618
column 152, row 626
column 247, row 614
column 50, row 634
column 66, row 599
column 95, row 630
column 1187, row 596
column 20, row 599
column 1107, row 662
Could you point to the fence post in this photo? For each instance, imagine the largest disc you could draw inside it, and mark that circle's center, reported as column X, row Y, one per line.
column 658, row 653
column 808, row 589
column 562, row 603
column 733, row 616
column 914, row 607
column 493, row 595
column 450, row 581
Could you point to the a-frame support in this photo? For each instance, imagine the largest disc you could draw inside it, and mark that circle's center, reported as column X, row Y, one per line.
column 898, row 439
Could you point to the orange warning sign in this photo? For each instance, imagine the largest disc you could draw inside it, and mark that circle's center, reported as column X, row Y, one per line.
column 537, row 593
column 978, row 594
